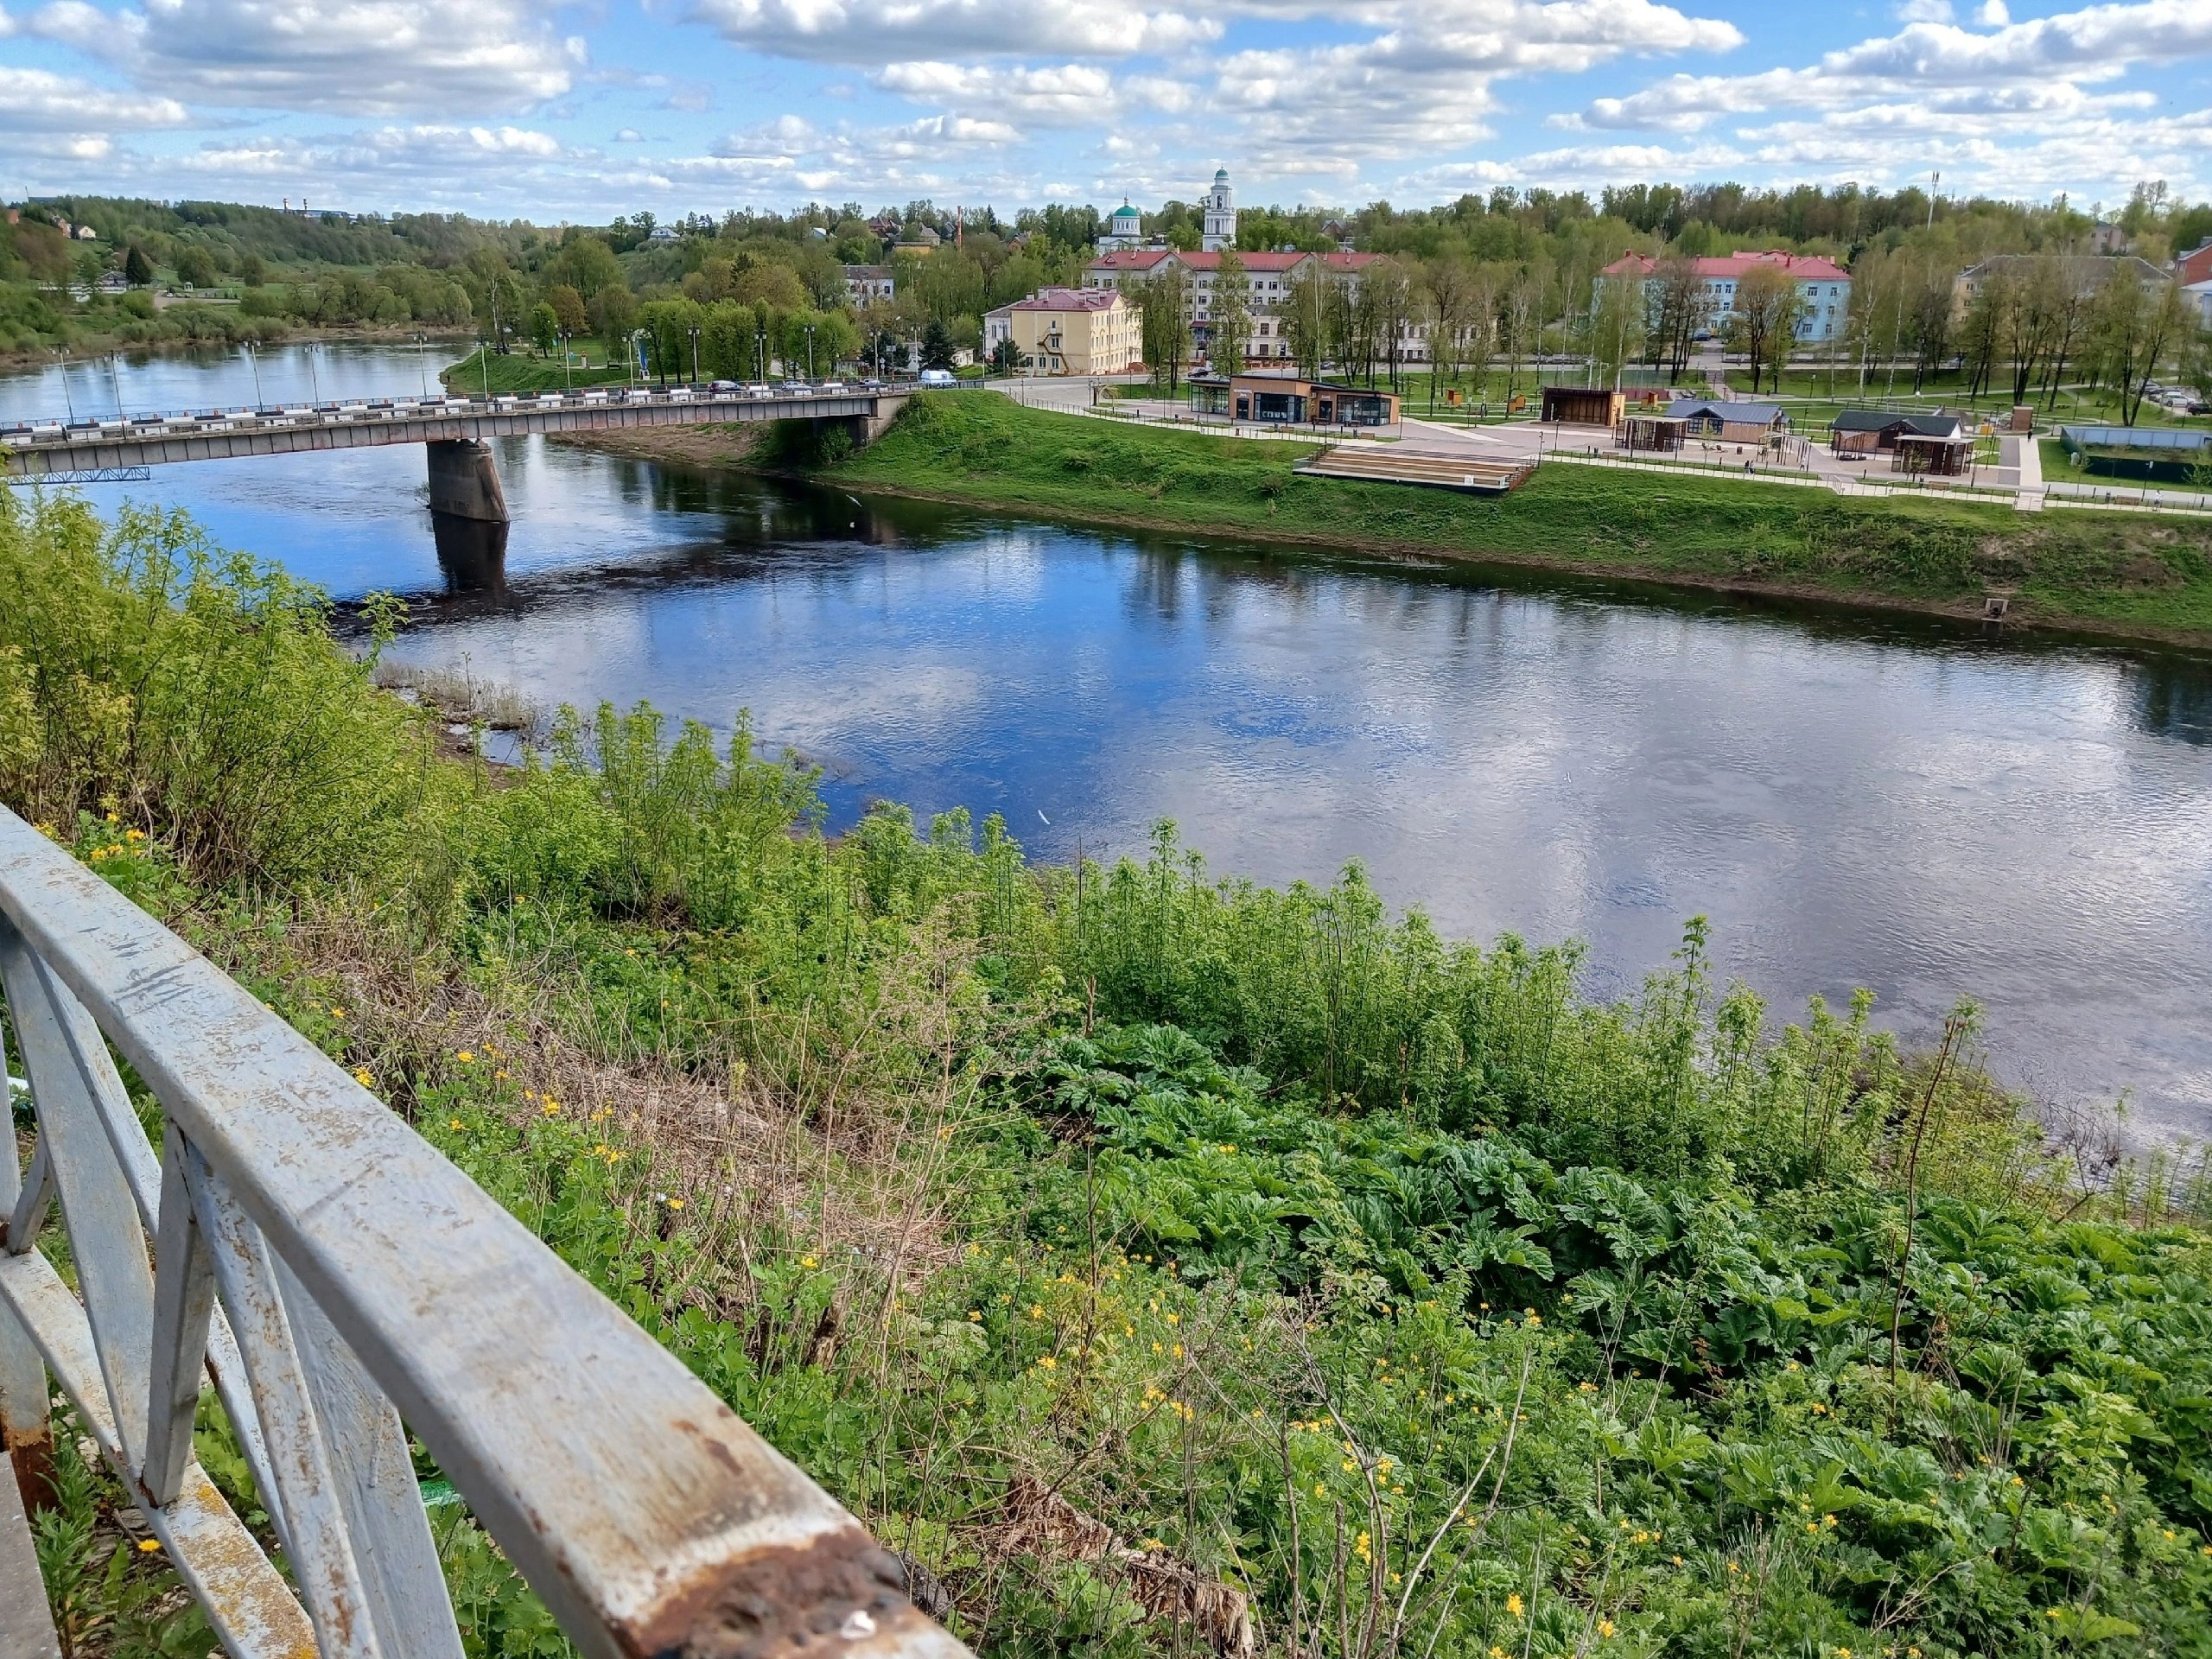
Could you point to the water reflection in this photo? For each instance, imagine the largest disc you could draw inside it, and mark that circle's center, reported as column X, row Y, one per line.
column 2173, row 699
column 473, row 553
column 1894, row 801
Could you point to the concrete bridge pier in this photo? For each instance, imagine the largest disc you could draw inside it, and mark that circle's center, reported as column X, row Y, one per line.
column 865, row 430
column 464, row 481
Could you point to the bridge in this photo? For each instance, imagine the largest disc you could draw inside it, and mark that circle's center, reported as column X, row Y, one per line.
column 289, row 1239
column 455, row 429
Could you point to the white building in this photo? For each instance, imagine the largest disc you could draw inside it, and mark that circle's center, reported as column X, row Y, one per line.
column 1124, row 229
column 1220, row 230
column 1823, row 286
column 1268, row 286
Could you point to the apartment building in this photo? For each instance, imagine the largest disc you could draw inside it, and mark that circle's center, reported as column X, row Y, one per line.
column 1823, row 286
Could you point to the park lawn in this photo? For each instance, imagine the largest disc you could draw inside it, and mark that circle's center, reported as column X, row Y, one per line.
column 2147, row 573
column 524, row 370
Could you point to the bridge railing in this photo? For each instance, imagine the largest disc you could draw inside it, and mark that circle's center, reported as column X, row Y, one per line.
column 344, row 1285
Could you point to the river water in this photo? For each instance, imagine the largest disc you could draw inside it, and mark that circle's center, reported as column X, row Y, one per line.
column 1853, row 799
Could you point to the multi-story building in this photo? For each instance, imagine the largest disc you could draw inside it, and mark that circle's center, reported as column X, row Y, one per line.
column 865, row 284
column 1068, row 331
column 1268, row 285
column 2087, row 273
column 1823, row 286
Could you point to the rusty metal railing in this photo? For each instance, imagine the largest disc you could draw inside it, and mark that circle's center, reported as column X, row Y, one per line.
column 343, row 1285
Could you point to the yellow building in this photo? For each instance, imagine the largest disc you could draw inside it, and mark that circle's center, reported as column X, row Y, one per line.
column 1067, row 331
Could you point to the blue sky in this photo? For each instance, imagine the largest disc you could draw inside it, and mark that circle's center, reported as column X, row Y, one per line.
column 578, row 112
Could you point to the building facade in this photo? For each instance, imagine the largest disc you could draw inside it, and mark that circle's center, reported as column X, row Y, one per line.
column 2087, row 272
column 1823, row 286
column 1068, row 331
column 1268, row 282
column 865, row 284
column 1125, row 229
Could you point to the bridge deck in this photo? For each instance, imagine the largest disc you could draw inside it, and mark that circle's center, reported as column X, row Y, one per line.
column 50, row 448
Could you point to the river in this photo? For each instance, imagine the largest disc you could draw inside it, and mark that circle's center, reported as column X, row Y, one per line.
column 1853, row 799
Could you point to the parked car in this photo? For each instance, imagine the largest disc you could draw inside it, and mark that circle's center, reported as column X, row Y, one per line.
column 939, row 378
column 723, row 388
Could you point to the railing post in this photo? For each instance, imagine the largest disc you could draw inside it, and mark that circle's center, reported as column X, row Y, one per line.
column 104, row 1238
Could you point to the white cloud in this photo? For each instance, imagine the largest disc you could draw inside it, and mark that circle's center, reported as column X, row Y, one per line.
column 358, row 57
column 1065, row 95
column 37, row 100
column 629, row 135
column 1926, row 58
column 1426, row 81
column 1924, row 11
column 1994, row 14
column 880, row 31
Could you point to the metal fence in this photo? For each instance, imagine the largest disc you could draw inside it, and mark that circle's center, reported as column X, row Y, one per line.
column 343, row 1286
column 2134, row 437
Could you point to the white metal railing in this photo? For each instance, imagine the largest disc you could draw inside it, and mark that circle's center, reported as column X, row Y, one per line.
column 344, row 1284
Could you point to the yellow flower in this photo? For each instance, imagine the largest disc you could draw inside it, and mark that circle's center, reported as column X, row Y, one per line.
column 465, row 1057
column 148, row 1546
column 361, row 1076
column 1036, row 1310
column 676, row 1203
column 452, row 1123
column 806, row 1261
column 1179, row 1351
column 551, row 1108
column 338, row 1013
column 1605, row 1627
column 1512, row 1602
column 1048, row 1362
column 974, row 1313
column 2050, row 1613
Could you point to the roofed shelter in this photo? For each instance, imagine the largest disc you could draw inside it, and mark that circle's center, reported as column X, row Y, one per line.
column 1925, row 454
column 1288, row 400
column 1874, row 431
column 1652, row 433
column 1731, row 420
column 1583, row 405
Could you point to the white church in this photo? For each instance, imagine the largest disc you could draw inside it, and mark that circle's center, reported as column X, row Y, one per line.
column 1124, row 229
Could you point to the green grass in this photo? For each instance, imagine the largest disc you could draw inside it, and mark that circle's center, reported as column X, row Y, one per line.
column 1273, row 1230
column 2107, row 568
column 524, row 370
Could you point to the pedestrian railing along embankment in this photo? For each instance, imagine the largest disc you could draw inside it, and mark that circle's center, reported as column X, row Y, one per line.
column 343, row 1286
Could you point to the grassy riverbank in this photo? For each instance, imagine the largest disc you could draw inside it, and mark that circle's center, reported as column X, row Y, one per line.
column 1160, row 1264
column 2136, row 573
column 482, row 371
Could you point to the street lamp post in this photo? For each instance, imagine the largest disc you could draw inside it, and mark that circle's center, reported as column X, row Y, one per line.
column 760, row 351
column 115, row 373
column 809, row 352
column 695, row 356
column 253, row 357
column 568, row 379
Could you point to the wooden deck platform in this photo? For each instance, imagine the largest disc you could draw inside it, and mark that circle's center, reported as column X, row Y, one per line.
column 1472, row 474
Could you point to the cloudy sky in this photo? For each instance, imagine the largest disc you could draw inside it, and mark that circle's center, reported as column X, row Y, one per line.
column 580, row 111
